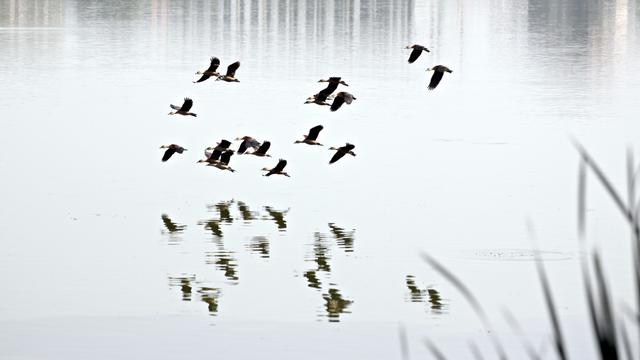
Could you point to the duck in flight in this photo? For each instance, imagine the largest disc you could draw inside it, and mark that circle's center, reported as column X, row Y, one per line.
column 247, row 142
column 262, row 150
column 277, row 170
column 438, row 72
column 312, row 137
column 321, row 97
column 342, row 151
column 171, row 149
column 230, row 76
column 211, row 71
column 417, row 50
column 184, row 109
column 213, row 154
column 223, row 164
column 341, row 98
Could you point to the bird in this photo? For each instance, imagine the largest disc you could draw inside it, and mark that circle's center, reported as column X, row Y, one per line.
column 230, row 76
column 321, row 97
column 312, row 137
column 342, row 151
column 247, row 142
column 341, row 98
column 171, row 149
column 211, row 71
column 213, row 154
column 262, row 150
column 438, row 72
column 184, row 109
column 223, row 164
column 277, row 170
column 417, row 50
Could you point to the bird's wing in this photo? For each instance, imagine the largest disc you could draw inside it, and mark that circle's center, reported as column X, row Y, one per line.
column 215, row 62
column 174, row 107
column 231, row 69
column 168, row 153
column 337, row 156
column 264, row 147
column 224, row 144
column 435, row 79
column 348, row 98
column 203, row 78
column 349, row 147
column 337, row 102
column 415, row 54
column 207, row 154
column 243, row 147
column 314, row 132
column 179, row 149
column 330, row 88
column 281, row 164
column 215, row 155
column 186, row 106
column 254, row 143
column 226, row 157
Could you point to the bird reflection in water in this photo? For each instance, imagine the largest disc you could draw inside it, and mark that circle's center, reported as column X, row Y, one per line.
column 245, row 213
column 213, row 226
column 210, row 296
column 321, row 253
column 344, row 238
column 173, row 229
column 312, row 280
column 223, row 260
column 335, row 305
column 430, row 295
column 184, row 282
column 222, row 208
column 278, row 217
column 259, row 245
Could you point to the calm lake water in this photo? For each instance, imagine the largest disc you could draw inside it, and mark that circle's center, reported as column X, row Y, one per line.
column 108, row 252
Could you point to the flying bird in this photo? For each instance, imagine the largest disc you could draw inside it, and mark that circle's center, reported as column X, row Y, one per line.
column 262, row 150
column 321, row 97
column 277, row 170
column 211, row 71
column 341, row 98
column 438, row 72
column 223, row 164
column 247, row 142
column 213, row 154
column 417, row 50
column 184, row 109
column 230, row 76
column 342, row 151
column 312, row 137
column 171, row 149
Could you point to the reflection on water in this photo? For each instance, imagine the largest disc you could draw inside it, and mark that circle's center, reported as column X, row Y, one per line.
column 278, row 217
column 210, row 296
column 224, row 260
column 184, row 282
column 312, row 279
column 213, row 226
column 343, row 238
column 335, row 305
column 321, row 252
column 430, row 295
column 173, row 229
column 259, row 245
column 222, row 208
column 246, row 214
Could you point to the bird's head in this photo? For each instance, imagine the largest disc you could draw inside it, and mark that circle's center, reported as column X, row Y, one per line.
column 172, row 113
column 164, row 147
column 210, row 148
column 266, row 169
column 323, row 80
column 409, row 46
column 332, row 148
column 201, row 161
column 298, row 141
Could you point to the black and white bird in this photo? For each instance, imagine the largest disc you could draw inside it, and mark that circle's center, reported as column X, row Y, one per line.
column 211, row 71
column 223, row 163
column 312, row 138
column 262, row 150
column 171, row 149
column 342, row 151
column 184, row 109
column 213, row 153
column 277, row 170
column 438, row 72
column 341, row 98
column 321, row 97
column 417, row 50
column 247, row 142
column 230, row 76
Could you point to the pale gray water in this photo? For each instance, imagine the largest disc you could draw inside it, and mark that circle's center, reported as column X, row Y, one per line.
column 109, row 252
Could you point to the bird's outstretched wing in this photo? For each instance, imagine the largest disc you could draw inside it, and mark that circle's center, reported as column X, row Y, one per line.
column 203, row 78
column 224, row 144
column 231, row 69
column 167, row 154
column 215, row 62
column 348, row 147
column 281, row 164
column 264, row 147
column 314, row 132
column 337, row 102
column 186, row 106
column 435, row 79
column 226, row 157
column 174, row 107
column 337, row 156
column 243, row 147
column 415, row 54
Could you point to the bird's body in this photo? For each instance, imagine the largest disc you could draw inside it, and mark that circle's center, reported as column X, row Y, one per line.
column 342, row 151
column 223, row 163
column 438, row 72
column 230, row 76
column 341, row 98
column 184, row 109
column 262, row 150
column 213, row 154
column 277, row 170
column 321, row 97
column 247, row 142
column 312, row 138
column 171, row 149
column 211, row 71
column 417, row 50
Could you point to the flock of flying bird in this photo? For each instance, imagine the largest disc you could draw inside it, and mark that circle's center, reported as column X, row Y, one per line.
column 219, row 156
